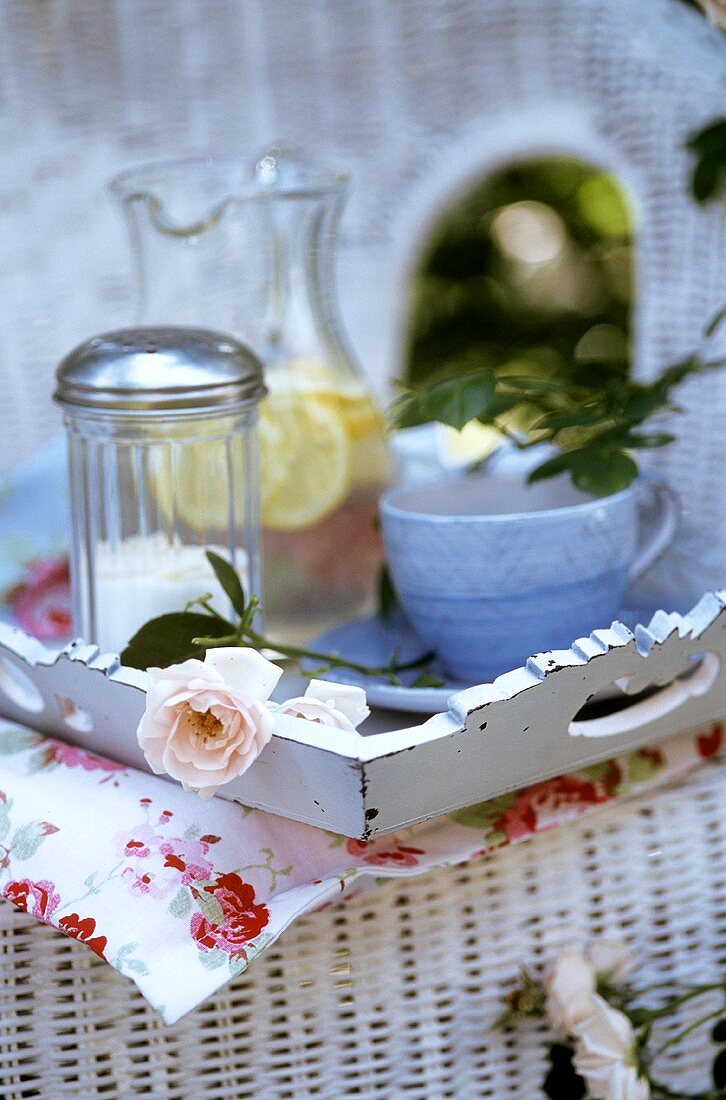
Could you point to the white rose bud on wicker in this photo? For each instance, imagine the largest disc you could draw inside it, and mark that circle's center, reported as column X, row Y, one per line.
column 605, row 1054
column 625, row 1084
column 612, row 959
column 341, row 706
column 715, row 10
column 569, row 986
column 206, row 721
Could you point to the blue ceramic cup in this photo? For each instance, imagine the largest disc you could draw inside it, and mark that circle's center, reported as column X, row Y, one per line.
column 490, row 570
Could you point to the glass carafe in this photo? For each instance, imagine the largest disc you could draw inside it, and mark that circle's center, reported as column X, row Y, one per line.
column 248, row 247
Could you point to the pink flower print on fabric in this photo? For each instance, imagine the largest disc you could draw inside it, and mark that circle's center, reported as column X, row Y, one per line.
column 70, row 756
column 41, row 604
column 158, row 866
column 388, row 851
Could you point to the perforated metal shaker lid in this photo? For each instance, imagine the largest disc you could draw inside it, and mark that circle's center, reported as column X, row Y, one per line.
column 141, row 371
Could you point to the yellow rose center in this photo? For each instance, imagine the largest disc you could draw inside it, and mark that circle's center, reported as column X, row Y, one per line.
column 204, row 724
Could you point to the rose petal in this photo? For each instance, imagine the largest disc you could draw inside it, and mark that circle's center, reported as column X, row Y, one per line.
column 314, row 710
column 244, row 669
column 346, row 698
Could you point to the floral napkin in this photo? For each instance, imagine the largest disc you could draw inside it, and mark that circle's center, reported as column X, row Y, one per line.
column 180, row 894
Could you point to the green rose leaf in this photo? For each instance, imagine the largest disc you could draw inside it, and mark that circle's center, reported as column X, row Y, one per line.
column 230, row 582
column 169, row 639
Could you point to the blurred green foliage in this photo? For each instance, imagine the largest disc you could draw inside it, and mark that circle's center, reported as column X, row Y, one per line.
column 708, row 147
column 528, row 273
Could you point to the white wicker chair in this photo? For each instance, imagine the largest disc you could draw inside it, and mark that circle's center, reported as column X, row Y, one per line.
column 417, row 98
column 370, row 999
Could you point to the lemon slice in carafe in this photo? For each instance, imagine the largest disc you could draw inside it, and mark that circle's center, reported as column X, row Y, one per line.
column 362, row 420
column 304, row 460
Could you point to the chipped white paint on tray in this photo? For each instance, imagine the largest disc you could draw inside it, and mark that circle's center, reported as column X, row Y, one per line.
column 520, row 729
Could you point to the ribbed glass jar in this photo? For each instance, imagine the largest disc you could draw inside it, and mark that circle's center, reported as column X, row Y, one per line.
column 162, row 448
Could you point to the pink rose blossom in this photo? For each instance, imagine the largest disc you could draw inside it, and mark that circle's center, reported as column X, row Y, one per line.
column 207, row 721
column 340, row 706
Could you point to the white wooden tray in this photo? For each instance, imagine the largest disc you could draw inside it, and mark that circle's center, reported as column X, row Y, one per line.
column 524, row 727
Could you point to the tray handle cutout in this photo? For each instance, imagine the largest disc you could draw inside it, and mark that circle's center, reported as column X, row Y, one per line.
column 655, row 706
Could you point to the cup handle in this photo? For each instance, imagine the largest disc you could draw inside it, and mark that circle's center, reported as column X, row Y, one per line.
column 668, row 504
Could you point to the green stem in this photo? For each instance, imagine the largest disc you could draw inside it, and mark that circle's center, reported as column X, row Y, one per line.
column 666, row 1009
column 252, row 639
column 695, row 987
column 299, row 652
column 246, row 620
column 686, row 1031
column 203, row 601
column 218, row 643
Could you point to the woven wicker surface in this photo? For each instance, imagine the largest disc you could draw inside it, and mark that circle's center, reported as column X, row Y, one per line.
column 394, row 993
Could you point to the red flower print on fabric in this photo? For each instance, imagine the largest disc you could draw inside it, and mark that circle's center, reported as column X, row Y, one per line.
column 82, row 929
column 242, row 918
column 39, row 899
column 187, row 857
column 390, row 851
column 538, row 807
column 710, row 744
column 41, row 604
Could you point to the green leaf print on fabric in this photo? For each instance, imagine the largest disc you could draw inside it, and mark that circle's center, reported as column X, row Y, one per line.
column 211, row 960
column 643, row 766
column 28, row 838
column 18, row 740
column 181, row 904
column 484, row 814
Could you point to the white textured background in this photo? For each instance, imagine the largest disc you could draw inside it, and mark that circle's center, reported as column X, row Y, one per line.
column 413, row 96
